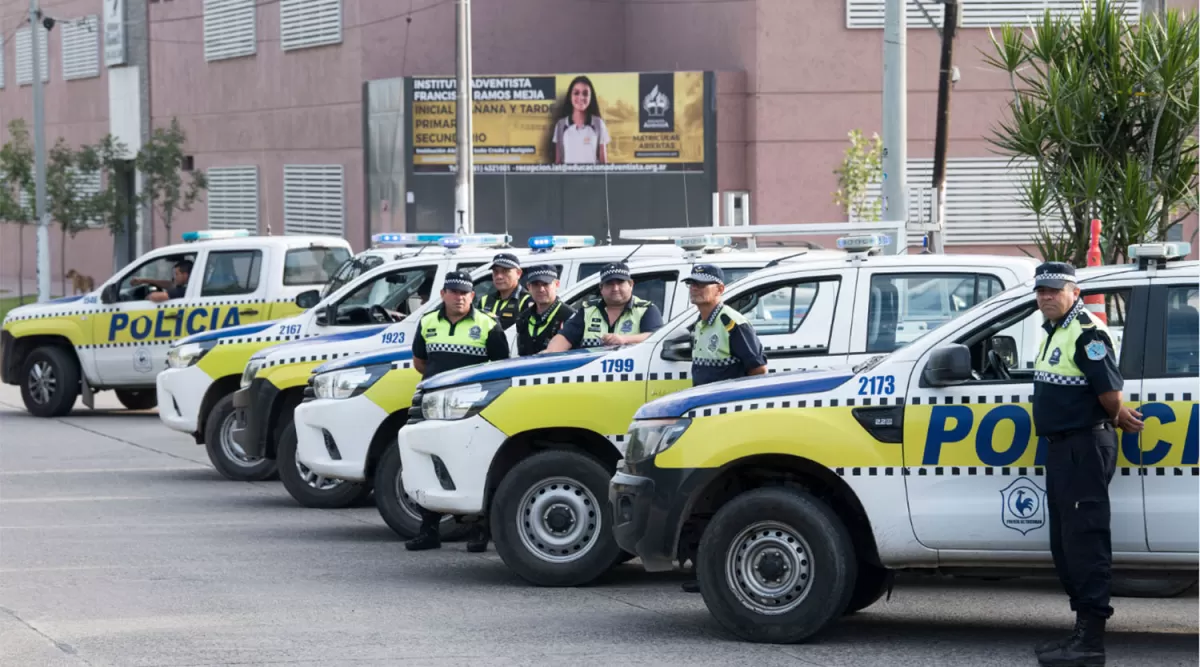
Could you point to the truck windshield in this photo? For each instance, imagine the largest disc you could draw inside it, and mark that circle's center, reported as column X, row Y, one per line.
column 313, row 265
column 349, row 270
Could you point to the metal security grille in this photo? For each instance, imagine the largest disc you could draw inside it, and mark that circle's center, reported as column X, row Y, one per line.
column 313, row 199
column 305, row 23
column 87, row 184
column 81, row 48
column 25, row 59
column 975, row 13
column 983, row 200
column 233, row 198
column 230, row 29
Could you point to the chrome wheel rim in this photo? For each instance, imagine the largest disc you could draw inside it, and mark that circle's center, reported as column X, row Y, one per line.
column 315, row 481
column 409, row 505
column 42, row 382
column 232, row 450
column 558, row 520
column 769, row 568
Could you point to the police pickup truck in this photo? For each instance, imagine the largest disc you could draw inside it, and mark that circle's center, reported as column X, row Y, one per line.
column 275, row 378
column 195, row 394
column 532, row 443
column 797, row 494
column 118, row 336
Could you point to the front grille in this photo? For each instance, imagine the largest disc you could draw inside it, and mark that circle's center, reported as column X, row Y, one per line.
column 414, row 412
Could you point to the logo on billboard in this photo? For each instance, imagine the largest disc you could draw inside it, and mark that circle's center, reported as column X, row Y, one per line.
column 656, row 112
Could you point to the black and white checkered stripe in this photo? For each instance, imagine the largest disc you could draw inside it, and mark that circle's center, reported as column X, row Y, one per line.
column 999, row 471
column 305, row 358
column 1056, row 276
column 401, row 365
column 623, row 274
column 456, row 348
column 140, row 343
column 718, row 363
column 1055, row 378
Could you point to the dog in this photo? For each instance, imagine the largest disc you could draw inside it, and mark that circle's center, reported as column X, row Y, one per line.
column 82, row 284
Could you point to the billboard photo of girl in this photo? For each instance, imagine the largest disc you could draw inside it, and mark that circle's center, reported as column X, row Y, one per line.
column 580, row 135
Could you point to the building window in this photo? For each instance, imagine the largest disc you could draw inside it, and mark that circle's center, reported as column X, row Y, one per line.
column 230, row 29
column 305, row 23
column 25, row 56
column 87, row 184
column 1, row 61
column 81, row 48
column 314, row 199
column 975, row 13
column 233, row 198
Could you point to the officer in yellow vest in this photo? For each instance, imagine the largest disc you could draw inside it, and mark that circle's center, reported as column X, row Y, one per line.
column 1076, row 405
column 453, row 336
column 510, row 300
column 616, row 318
column 539, row 324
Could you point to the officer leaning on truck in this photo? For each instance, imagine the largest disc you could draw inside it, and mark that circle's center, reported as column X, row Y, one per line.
column 616, row 318
column 536, row 326
column 453, row 336
column 724, row 345
column 1076, row 405
column 510, row 300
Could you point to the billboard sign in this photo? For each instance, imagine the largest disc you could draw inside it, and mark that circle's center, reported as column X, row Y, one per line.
column 114, row 32
column 565, row 123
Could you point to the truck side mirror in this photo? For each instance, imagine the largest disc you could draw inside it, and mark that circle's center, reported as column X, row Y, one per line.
column 948, row 365
column 109, row 294
column 308, row 299
column 678, row 348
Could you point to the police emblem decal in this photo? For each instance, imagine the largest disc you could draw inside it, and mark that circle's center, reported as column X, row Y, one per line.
column 141, row 360
column 713, row 341
column 1095, row 350
column 1055, row 356
column 475, row 333
column 1023, row 506
column 627, row 326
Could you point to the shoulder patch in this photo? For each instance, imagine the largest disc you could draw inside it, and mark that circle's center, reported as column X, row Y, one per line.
column 1096, row 350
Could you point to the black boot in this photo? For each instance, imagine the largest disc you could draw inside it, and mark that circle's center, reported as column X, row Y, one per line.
column 1086, row 649
column 478, row 540
column 430, row 534
column 691, row 586
column 1055, row 644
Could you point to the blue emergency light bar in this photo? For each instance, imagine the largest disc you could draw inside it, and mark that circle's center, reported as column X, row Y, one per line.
column 478, row 240
column 864, row 242
column 561, row 241
column 210, row 234
column 447, row 240
column 704, row 241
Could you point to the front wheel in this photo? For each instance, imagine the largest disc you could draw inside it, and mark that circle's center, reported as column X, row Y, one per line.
column 50, row 382
column 137, row 399
column 776, row 565
column 401, row 513
column 307, row 487
column 226, row 455
column 549, row 523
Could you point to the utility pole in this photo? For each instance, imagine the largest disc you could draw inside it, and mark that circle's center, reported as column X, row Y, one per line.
column 464, row 183
column 895, row 114
column 950, row 20
column 39, row 156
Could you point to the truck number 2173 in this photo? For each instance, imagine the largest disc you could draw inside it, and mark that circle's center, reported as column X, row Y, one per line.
column 877, row 384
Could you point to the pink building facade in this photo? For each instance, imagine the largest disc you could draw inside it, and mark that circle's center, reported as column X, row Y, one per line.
column 270, row 93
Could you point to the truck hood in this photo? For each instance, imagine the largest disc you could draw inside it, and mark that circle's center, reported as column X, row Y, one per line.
column 538, row 364
column 227, row 332
column 369, row 359
column 307, row 344
column 744, row 389
column 66, row 304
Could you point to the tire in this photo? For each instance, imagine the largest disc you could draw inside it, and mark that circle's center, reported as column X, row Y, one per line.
column 785, row 526
column 870, row 585
column 574, row 487
column 137, row 399
column 1141, row 587
column 398, row 509
column 50, row 382
column 225, row 454
column 308, row 488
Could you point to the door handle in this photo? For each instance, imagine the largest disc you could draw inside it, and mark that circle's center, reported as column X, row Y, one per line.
column 249, row 311
column 172, row 316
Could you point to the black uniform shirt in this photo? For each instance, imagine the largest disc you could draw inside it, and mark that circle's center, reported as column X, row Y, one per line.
column 439, row 362
column 535, row 331
column 507, row 310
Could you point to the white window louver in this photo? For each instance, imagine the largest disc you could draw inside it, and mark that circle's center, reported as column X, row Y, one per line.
column 87, row 184
column 975, row 13
column 313, row 199
column 307, row 23
column 983, row 200
column 230, row 29
column 81, row 48
column 233, row 198
column 24, row 59
column 2, row 40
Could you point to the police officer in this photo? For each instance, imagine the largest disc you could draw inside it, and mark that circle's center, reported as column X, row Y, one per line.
column 537, row 325
column 453, row 336
column 616, row 318
column 1076, row 405
column 510, row 299
column 724, row 345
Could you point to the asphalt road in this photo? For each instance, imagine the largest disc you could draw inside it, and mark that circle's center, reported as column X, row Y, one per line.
column 120, row 545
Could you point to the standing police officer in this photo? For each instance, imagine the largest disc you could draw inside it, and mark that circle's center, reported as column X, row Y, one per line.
column 536, row 326
column 453, row 336
column 510, row 299
column 1076, row 404
column 616, row 318
column 724, row 345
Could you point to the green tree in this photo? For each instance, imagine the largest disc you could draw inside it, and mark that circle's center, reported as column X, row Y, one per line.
column 1105, row 115
column 109, row 157
column 161, row 163
column 16, row 178
column 862, row 166
column 66, row 197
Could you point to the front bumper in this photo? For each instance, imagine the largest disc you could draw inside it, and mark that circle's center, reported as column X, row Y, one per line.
column 344, row 428
column 445, row 463
column 252, row 418
column 650, row 506
column 180, row 393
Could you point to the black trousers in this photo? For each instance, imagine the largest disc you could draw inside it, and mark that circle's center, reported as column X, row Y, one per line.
column 1079, row 467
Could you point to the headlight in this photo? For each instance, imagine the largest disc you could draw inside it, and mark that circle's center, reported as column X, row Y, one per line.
column 188, row 354
column 251, row 370
column 651, row 437
column 461, row 402
column 348, row 383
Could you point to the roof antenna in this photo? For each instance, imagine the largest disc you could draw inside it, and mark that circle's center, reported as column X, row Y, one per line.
column 607, row 219
column 637, row 248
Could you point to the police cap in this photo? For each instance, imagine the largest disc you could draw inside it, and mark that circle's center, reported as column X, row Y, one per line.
column 706, row 274
column 541, row 273
column 506, row 260
column 615, row 271
column 1055, row 275
column 458, row 281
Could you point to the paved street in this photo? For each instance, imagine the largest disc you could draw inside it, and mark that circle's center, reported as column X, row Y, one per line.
column 119, row 545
